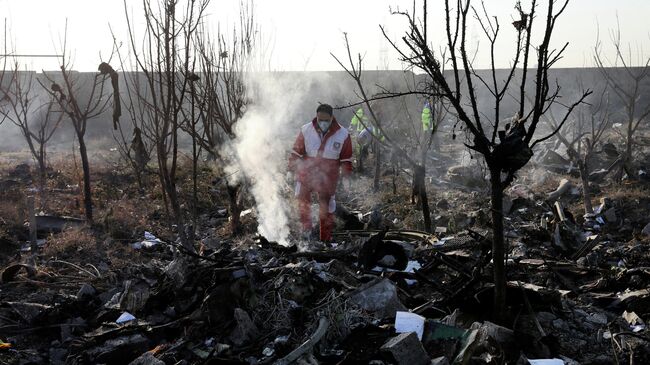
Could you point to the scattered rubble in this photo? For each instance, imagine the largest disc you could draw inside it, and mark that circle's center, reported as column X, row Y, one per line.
column 384, row 292
column 378, row 297
column 406, row 349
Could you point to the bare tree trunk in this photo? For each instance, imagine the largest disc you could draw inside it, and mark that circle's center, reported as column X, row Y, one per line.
column 32, row 226
column 138, row 178
column 235, row 209
column 627, row 162
column 423, row 200
column 169, row 187
column 42, row 173
column 394, row 180
column 195, row 158
column 177, row 213
column 195, row 188
column 361, row 156
column 88, row 203
column 140, row 158
column 375, row 184
column 163, row 184
column 42, row 160
column 498, row 244
column 586, row 189
column 42, row 180
column 38, row 155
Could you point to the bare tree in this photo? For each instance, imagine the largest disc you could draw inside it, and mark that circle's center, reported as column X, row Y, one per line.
column 80, row 100
column 582, row 136
column 513, row 148
column 165, row 60
column 36, row 119
column 136, row 149
column 219, row 95
column 4, row 66
column 626, row 78
column 383, row 135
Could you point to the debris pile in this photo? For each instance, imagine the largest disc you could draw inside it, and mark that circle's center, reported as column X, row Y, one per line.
column 384, row 292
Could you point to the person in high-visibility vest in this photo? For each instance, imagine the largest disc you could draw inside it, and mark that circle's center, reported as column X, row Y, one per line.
column 427, row 118
column 359, row 121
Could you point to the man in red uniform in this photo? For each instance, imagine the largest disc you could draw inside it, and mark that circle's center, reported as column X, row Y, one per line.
column 322, row 148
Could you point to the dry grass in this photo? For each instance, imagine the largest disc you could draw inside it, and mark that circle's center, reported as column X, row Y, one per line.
column 13, row 211
column 274, row 308
column 80, row 246
column 630, row 191
column 71, row 241
column 342, row 315
column 127, row 219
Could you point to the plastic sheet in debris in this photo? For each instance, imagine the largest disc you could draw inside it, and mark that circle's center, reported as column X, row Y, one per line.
column 635, row 322
column 546, row 362
column 409, row 322
column 28, row 246
column 411, row 266
column 443, row 241
column 125, row 317
column 149, row 241
column 637, row 328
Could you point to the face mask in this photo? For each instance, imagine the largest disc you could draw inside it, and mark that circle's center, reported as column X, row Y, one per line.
column 324, row 124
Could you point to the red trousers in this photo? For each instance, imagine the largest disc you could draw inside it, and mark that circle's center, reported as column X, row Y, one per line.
column 326, row 204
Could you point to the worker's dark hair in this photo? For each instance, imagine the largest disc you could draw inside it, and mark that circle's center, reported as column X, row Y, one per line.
column 325, row 108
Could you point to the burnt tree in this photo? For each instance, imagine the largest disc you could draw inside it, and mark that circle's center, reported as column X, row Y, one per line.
column 582, row 137
column 81, row 100
column 505, row 148
column 626, row 78
column 220, row 96
column 34, row 116
column 165, row 58
column 385, row 134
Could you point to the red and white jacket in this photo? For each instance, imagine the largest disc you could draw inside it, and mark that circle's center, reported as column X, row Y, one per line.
column 316, row 158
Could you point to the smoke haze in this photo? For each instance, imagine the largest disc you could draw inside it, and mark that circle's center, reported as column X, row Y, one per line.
column 265, row 136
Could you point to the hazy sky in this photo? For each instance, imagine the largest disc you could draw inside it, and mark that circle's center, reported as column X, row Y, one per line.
column 301, row 33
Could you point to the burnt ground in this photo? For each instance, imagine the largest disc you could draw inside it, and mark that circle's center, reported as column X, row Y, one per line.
column 577, row 290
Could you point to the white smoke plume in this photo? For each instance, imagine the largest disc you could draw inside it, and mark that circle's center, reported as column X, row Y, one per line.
column 258, row 149
column 264, row 138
